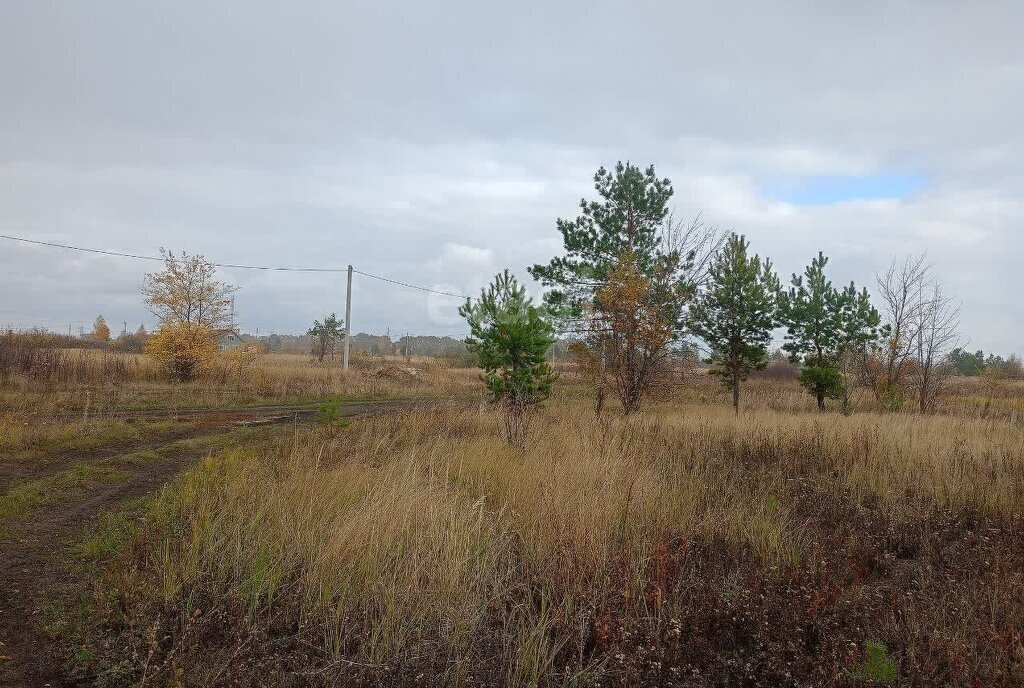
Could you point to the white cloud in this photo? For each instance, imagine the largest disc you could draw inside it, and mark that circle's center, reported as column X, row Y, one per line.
column 439, row 149
column 457, row 256
column 773, row 158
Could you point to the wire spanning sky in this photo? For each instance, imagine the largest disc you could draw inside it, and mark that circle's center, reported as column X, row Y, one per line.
column 436, row 143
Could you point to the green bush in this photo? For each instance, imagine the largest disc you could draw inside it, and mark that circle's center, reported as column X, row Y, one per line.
column 822, row 381
column 329, row 416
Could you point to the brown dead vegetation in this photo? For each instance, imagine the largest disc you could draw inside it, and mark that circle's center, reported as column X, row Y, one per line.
column 674, row 548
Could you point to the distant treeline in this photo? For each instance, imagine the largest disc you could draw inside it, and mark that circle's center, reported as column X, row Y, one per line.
column 128, row 342
column 448, row 348
column 370, row 344
column 965, row 363
column 972, row 365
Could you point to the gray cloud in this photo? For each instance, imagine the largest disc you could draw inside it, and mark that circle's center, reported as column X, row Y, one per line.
column 437, row 142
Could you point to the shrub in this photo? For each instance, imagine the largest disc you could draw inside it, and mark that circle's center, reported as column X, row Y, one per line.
column 779, row 369
column 42, row 357
column 329, row 416
column 130, row 343
column 823, row 382
column 183, row 350
column 27, row 354
column 243, row 360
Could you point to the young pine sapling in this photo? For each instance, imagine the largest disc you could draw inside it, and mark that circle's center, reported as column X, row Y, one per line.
column 510, row 338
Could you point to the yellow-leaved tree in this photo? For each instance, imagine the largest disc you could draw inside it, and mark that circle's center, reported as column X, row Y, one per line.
column 100, row 330
column 193, row 308
column 184, row 350
column 633, row 328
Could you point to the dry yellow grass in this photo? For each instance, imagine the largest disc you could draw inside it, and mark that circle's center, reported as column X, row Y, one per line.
column 428, row 537
column 964, row 397
column 422, row 545
column 96, row 381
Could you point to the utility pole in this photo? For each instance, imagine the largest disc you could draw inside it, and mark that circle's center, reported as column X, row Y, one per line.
column 125, row 332
column 348, row 318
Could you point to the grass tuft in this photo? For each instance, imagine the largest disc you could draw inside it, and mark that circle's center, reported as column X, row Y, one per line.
column 877, row 667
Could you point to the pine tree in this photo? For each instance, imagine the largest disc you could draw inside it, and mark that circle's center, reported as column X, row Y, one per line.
column 823, row 326
column 858, row 329
column 810, row 311
column 510, row 338
column 325, row 335
column 626, row 236
column 736, row 314
column 632, row 208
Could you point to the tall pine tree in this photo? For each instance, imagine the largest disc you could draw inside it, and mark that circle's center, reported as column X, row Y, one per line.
column 627, row 218
column 736, row 314
column 626, row 236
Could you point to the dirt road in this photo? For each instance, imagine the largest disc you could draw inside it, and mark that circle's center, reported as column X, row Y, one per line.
column 34, row 566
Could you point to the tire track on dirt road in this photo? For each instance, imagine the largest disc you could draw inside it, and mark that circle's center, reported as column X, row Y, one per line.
column 204, row 422
column 34, row 565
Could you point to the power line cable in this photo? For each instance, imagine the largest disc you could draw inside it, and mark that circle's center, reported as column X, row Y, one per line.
column 237, row 266
column 410, row 286
column 77, row 248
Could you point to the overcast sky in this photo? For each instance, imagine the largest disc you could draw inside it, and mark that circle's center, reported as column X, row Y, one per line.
column 436, row 143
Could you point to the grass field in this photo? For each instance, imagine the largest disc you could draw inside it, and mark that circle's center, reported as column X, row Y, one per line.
column 91, row 382
column 682, row 546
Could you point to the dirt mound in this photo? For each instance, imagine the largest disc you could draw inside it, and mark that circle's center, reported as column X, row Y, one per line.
column 397, row 373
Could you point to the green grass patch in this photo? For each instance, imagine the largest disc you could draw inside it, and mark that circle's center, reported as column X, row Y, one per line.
column 114, row 532
column 878, row 666
column 139, row 458
column 27, row 440
column 217, row 441
column 22, row 497
column 71, row 613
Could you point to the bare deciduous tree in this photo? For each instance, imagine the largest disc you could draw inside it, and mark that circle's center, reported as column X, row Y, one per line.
column 902, row 290
column 624, row 337
column 921, row 323
column 695, row 243
column 936, row 325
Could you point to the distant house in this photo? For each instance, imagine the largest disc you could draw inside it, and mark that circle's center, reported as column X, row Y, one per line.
column 229, row 341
